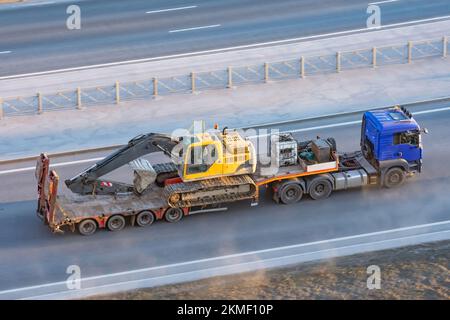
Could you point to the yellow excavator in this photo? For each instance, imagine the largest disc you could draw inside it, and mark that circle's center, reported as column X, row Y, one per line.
column 206, row 168
column 213, row 167
column 213, row 155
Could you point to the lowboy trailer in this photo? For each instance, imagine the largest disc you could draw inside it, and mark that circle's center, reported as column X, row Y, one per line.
column 391, row 151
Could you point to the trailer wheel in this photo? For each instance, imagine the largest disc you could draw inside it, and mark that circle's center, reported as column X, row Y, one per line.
column 291, row 193
column 87, row 227
column 394, row 177
column 115, row 223
column 320, row 189
column 145, row 218
column 173, row 214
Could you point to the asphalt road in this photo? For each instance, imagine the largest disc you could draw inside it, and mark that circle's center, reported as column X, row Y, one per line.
column 31, row 255
column 35, row 38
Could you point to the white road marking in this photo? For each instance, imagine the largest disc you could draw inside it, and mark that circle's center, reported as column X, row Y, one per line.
column 27, row 4
column 399, row 24
column 381, row 2
column 237, row 255
column 333, row 125
column 342, row 124
column 431, row 111
column 340, row 33
column 195, row 28
column 5, row 52
column 38, row 4
column 62, row 164
column 349, row 123
column 242, row 267
column 172, row 9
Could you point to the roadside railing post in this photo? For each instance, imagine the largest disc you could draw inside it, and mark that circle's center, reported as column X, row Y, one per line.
column 230, row 78
column 338, row 61
column 342, row 64
column 79, row 106
column 192, row 82
column 155, row 88
column 1, row 108
column 117, row 92
column 302, row 67
column 410, row 45
column 374, row 57
column 266, row 72
column 39, row 106
column 444, row 47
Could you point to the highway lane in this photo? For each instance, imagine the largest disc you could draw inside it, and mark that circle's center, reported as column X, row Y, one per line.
column 34, row 39
column 31, row 255
column 237, row 263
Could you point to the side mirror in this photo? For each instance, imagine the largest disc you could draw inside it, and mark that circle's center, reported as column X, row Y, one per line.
column 425, row 130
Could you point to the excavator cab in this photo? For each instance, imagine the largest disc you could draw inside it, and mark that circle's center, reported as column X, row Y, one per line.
column 214, row 154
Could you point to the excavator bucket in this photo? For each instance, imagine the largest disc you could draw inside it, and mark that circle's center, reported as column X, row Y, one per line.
column 144, row 174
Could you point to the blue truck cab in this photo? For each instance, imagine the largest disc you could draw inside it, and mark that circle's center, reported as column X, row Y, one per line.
column 392, row 138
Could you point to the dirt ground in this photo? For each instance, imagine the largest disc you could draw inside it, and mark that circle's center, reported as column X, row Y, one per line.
column 418, row 272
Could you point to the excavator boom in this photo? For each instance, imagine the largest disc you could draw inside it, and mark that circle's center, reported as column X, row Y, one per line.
column 88, row 182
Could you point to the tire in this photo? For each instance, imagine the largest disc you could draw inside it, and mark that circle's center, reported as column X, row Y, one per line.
column 291, row 193
column 145, row 218
column 320, row 189
column 115, row 223
column 394, row 177
column 87, row 227
column 173, row 215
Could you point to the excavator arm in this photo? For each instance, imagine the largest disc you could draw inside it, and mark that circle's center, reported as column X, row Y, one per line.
column 88, row 182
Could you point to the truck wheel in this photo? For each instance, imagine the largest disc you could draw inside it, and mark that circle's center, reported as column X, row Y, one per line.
column 145, row 218
column 173, row 214
column 320, row 189
column 87, row 227
column 394, row 177
column 291, row 193
column 115, row 223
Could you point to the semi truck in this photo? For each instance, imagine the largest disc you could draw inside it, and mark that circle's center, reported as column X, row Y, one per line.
column 205, row 171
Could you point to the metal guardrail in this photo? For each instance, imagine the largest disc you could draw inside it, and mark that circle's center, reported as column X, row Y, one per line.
column 409, row 105
column 225, row 78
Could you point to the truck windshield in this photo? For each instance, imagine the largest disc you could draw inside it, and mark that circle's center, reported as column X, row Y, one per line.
column 407, row 137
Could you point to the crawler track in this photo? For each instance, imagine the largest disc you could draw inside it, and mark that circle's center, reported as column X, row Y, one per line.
column 211, row 191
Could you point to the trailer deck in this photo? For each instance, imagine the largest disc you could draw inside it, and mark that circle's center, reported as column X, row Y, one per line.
column 79, row 207
column 70, row 208
column 263, row 175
